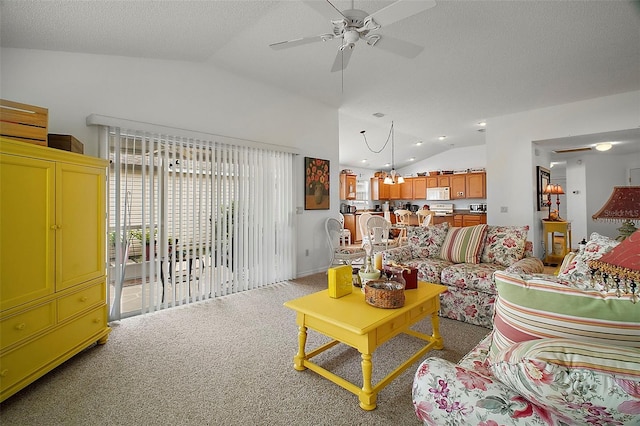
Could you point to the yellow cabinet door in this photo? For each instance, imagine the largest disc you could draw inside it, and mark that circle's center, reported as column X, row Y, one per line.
column 27, row 229
column 80, row 237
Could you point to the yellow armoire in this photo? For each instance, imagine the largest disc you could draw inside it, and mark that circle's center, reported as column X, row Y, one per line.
column 52, row 260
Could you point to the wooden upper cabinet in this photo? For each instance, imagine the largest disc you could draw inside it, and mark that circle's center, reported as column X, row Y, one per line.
column 419, row 188
column 406, row 189
column 458, row 186
column 394, row 191
column 432, row 181
column 443, row 181
column 476, row 185
column 379, row 191
column 347, row 187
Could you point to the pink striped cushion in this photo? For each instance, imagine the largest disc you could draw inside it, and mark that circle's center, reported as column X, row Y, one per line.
column 464, row 245
column 539, row 308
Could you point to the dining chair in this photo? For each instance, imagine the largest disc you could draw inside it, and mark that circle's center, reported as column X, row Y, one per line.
column 402, row 216
column 341, row 254
column 425, row 217
column 345, row 235
column 378, row 232
column 362, row 224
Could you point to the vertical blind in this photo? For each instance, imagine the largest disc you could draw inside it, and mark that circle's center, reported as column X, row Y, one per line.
column 192, row 219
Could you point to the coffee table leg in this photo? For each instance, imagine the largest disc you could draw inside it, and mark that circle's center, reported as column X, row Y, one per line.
column 366, row 396
column 436, row 337
column 302, row 341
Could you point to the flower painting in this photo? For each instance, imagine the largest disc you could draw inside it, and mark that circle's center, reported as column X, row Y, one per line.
column 316, row 188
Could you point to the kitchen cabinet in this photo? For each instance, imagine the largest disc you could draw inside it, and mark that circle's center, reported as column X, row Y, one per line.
column 432, row 181
column 52, row 251
column 441, row 219
column 419, row 185
column 458, row 186
column 461, row 219
column 476, row 184
column 347, row 186
column 406, row 189
column 350, row 224
column 379, row 191
column 443, row 180
column 394, row 191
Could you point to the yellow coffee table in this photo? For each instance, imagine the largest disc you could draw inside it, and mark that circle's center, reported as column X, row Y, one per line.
column 350, row 320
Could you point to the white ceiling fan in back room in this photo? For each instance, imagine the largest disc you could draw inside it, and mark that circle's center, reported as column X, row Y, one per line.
column 354, row 25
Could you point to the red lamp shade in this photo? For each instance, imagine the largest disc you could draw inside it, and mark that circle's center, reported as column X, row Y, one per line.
column 622, row 265
column 623, row 204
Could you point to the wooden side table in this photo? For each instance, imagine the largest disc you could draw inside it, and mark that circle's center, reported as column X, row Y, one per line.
column 549, row 229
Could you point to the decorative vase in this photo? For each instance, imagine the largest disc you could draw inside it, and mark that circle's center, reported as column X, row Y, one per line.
column 318, row 194
column 369, row 273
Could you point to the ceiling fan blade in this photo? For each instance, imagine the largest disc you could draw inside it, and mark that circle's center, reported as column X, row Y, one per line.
column 299, row 41
column 324, row 8
column 400, row 10
column 342, row 60
column 399, row 47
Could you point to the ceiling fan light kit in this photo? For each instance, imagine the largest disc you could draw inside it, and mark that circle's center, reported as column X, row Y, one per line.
column 356, row 24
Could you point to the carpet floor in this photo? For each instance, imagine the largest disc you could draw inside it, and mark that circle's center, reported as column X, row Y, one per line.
column 226, row 361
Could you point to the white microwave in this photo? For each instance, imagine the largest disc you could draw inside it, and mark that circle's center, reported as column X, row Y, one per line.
column 436, row 194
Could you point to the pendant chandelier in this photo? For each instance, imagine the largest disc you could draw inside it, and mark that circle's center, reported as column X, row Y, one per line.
column 392, row 177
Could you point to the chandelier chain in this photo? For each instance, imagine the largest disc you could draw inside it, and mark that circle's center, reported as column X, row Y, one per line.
column 383, row 146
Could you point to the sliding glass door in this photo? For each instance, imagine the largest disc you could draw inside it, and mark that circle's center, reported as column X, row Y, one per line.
column 191, row 220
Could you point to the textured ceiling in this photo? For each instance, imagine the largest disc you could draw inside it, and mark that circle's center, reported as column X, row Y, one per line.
column 480, row 58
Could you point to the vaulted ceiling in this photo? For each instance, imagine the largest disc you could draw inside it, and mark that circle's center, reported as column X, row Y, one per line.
column 479, row 59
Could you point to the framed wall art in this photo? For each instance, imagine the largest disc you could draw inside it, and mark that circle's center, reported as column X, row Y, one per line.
column 316, row 184
column 544, row 178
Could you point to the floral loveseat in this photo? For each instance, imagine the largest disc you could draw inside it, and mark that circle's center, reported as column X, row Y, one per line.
column 561, row 353
column 464, row 259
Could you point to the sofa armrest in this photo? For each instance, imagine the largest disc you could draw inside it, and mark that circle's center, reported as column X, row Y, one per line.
column 444, row 394
column 398, row 255
column 526, row 266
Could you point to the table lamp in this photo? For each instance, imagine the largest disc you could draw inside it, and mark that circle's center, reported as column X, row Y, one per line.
column 553, row 189
column 623, row 206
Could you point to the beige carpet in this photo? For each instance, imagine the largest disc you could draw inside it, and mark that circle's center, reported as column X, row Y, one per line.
column 227, row 361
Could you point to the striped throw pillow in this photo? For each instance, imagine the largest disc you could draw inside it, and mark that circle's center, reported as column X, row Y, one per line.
column 585, row 383
column 538, row 308
column 464, row 245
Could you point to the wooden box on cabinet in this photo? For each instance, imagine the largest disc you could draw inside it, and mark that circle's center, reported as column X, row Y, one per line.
column 26, row 123
column 65, row 143
column 52, row 241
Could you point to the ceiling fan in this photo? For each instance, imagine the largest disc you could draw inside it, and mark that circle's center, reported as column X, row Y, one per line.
column 354, row 24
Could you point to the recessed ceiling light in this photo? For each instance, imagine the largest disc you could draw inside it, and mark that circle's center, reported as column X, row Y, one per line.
column 412, row 159
column 419, row 143
column 387, row 164
column 482, row 123
column 364, row 161
column 442, row 138
column 378, row 114
column 604, row 146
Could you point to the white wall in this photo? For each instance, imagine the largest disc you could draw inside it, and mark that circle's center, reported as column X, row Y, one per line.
column 511, row 180
column 183, row 95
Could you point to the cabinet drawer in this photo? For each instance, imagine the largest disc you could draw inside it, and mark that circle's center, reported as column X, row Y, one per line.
column 426, row 308
column 75, row 303
column 25, row 324
column 28, row 362
column 388, row 330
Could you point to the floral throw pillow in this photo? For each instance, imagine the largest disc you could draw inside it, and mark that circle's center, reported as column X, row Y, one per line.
column 427, row 241
column 577, row 269
column 504, row 245
column 585, row 383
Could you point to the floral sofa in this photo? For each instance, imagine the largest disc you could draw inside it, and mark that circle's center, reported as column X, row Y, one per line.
column 464, row 259
column 561, row 353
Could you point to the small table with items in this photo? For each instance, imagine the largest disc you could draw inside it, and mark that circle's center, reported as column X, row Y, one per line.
column 549, row 229
column 350, row 320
